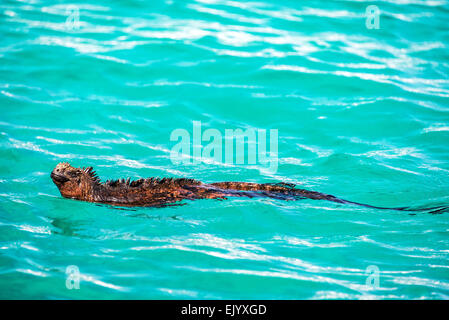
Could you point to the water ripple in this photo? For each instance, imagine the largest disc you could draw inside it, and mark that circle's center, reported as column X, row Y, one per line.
column 361, row 114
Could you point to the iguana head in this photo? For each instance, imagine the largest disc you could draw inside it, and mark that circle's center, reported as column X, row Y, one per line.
column 74, row 182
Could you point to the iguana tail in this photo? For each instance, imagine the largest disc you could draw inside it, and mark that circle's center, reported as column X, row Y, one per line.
column 287, row 191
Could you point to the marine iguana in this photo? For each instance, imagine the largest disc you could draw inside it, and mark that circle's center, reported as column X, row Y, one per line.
column 84, row 184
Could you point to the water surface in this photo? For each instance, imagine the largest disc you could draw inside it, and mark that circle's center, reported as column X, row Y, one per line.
column 361, row 113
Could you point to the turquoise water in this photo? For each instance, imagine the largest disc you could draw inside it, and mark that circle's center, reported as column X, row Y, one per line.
column 361, row 113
